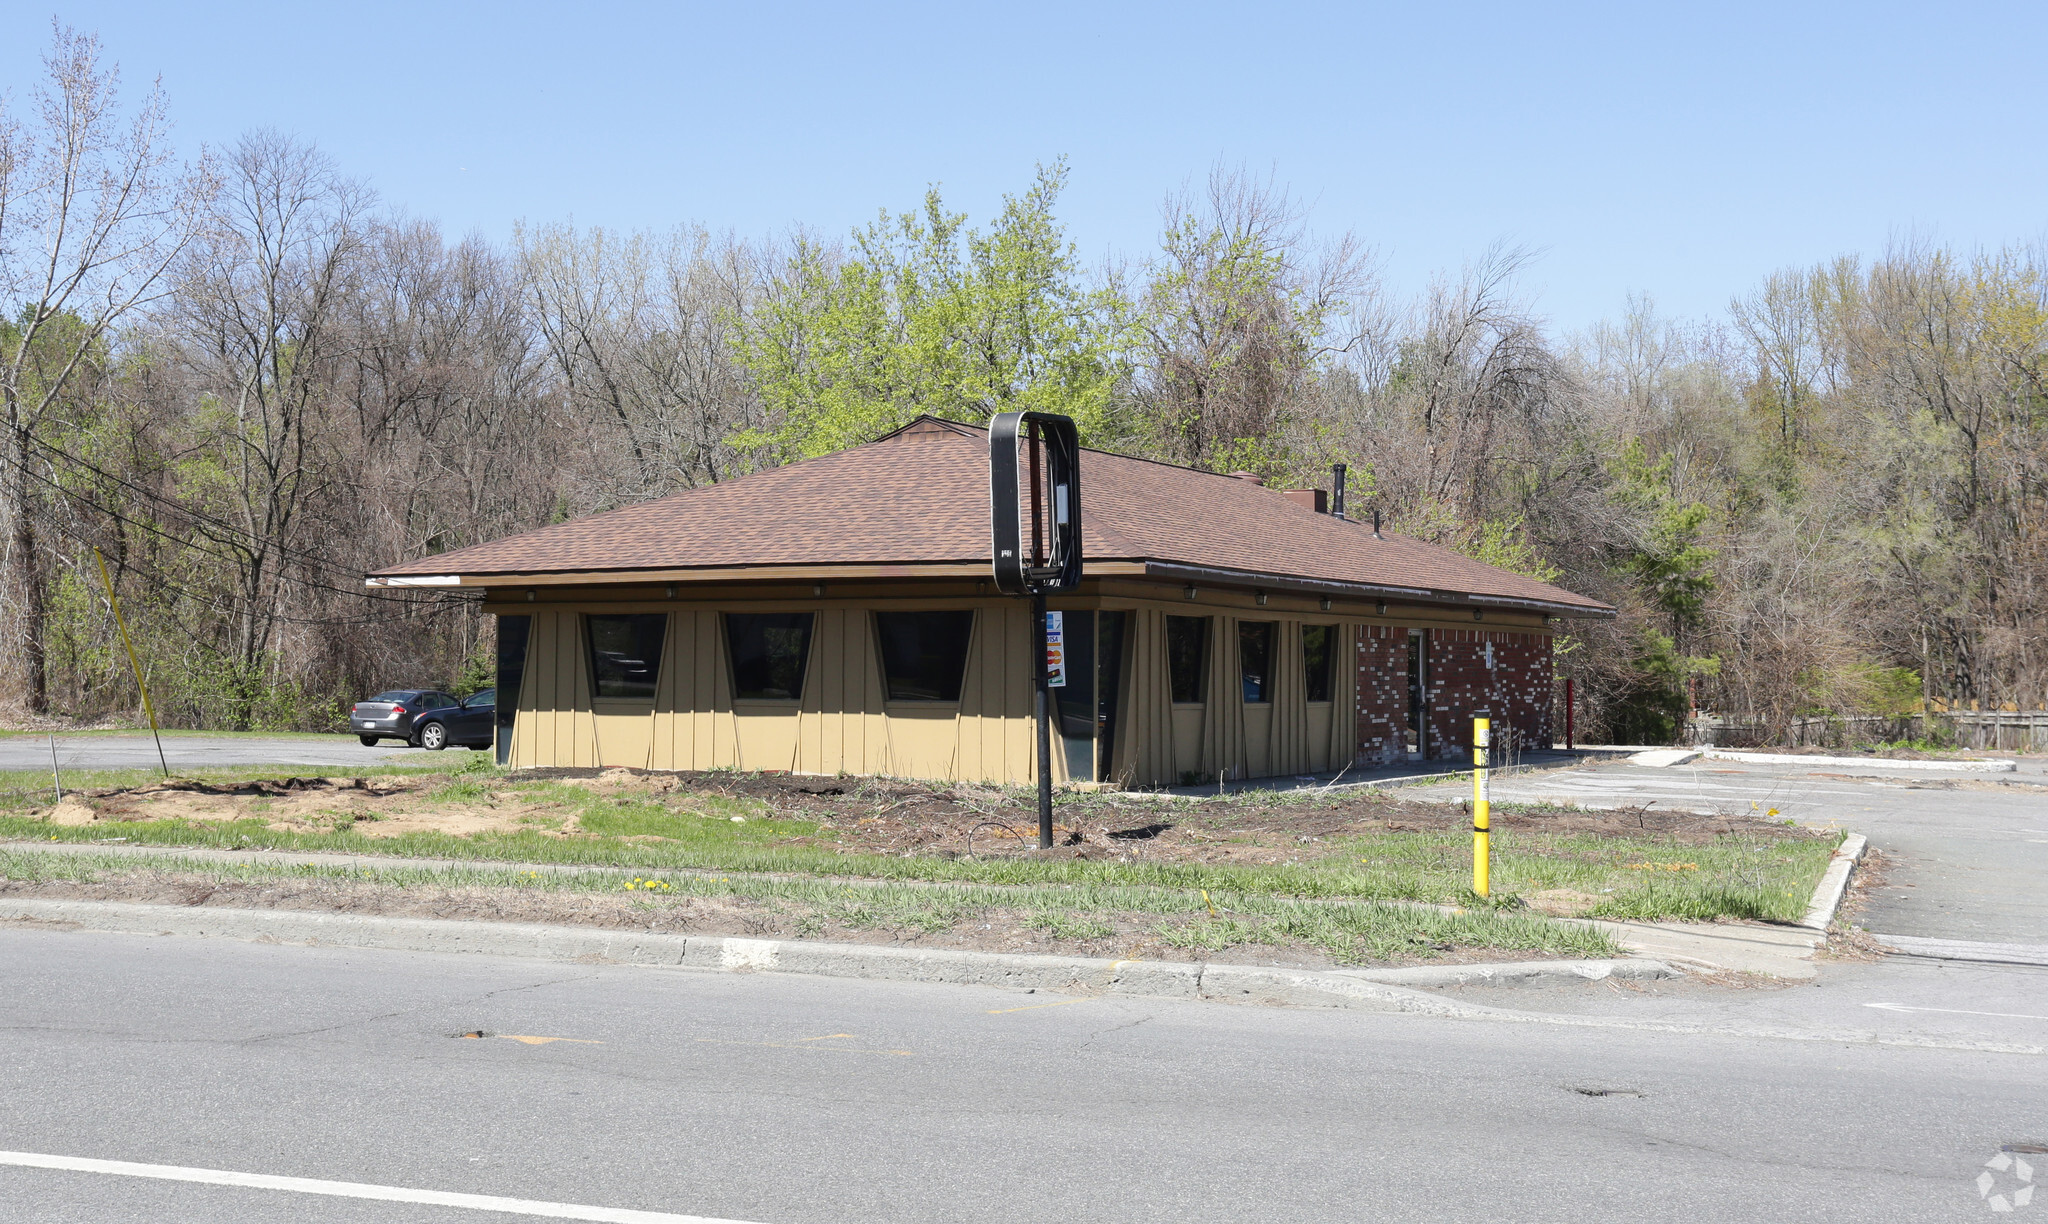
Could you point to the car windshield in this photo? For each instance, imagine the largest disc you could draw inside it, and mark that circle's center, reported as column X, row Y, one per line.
column 394, row 695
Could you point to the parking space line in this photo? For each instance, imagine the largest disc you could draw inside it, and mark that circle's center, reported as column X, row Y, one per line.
column 357, row 1190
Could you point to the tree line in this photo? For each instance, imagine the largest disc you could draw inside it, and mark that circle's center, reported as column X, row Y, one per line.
column 244, row 381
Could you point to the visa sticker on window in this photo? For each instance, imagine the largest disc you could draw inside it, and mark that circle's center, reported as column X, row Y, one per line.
column 1055, row 650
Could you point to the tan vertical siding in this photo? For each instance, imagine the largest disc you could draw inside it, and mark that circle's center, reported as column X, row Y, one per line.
column 844, row 725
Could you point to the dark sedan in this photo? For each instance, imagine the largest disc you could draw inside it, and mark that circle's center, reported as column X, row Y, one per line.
column 391, row 715
column 470, row 723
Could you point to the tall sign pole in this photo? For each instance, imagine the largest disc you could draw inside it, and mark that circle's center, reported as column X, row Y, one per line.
column 1036, row 549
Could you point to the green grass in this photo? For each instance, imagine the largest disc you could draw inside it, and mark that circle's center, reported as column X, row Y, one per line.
column 1631, row 877
column 1350, row 931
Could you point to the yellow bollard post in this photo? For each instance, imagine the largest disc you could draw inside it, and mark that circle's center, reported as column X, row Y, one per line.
column 1482, row 815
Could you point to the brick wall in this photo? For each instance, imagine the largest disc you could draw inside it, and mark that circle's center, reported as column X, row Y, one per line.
column 1382, row 693
column 1488, row 673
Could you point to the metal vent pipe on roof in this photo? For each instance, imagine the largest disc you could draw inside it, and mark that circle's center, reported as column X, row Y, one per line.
column 1375, row 522
column 1337, row 489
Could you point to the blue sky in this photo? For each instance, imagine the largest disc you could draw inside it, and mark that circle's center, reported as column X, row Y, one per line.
column 1679, row 151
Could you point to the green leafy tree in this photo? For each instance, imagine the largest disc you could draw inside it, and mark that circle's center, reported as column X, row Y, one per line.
column 925, row 315
column 1671, row 569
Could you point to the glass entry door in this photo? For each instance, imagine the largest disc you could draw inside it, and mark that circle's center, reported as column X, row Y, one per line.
column 1086, row 706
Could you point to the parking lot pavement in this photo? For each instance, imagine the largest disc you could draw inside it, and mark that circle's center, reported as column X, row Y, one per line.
column 1965, row 856
column 204, row 751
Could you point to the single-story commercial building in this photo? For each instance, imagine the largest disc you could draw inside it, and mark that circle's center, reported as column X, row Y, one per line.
column 839, row 615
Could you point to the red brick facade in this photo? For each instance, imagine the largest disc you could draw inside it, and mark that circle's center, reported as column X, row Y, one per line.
column 1500, row 675
column 1493, row 674
column 1382, row 693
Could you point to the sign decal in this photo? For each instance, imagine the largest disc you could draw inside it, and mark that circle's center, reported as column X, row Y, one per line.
column 1055, row 650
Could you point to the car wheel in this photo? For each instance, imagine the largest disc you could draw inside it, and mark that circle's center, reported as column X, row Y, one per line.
column 369, row 741
column 433, row 737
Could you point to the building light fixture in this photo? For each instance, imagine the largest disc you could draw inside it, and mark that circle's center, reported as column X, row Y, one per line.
column 668, row 592
column 1261, row 597
column 1380, row 608
column 1187, row 592
column 1324, row 603
column 1479, row 614
column 818, row 590
column 532, row 595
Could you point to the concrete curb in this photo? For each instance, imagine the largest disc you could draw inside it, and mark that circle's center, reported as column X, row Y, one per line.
column 1229, row 983
column 1827, row 895
column 1786, row 758
column 1516, row 973
column 1382, row 990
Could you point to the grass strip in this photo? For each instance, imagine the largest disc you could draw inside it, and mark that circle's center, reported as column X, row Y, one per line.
column 1645, row 877
column 1352, row 932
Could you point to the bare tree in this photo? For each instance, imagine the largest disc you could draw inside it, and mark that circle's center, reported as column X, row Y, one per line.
column 93, row 211
column 259, row 305
column 1239, row 313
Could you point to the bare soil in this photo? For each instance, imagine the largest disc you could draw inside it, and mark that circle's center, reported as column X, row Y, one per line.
column 886, row 816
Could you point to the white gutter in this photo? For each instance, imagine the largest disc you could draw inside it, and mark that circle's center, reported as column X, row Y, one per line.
column 429, row 580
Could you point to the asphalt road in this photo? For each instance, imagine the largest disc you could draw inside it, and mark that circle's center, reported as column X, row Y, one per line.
column 1967, row 854
column 28, row 752
column 777, row 1099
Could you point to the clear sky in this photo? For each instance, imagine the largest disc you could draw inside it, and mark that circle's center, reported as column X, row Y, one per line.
column 1678, row 150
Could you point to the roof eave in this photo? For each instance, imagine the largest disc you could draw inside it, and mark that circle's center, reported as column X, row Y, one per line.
column 1182, row 572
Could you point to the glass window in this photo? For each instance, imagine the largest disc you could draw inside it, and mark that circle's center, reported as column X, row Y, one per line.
column 477, row 701
column 625, row 653
column 769, row 652
column 401, row 696
column 1187, row 653
column 1318, row 644
column 1255, row 660
column 924, row 654
column 512, row 635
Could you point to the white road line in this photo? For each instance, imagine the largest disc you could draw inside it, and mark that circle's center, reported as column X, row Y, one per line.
column 359, row 1190
column 1953, row 1011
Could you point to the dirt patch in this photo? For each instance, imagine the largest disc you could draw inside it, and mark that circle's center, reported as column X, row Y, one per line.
column 376, row 807
column 882, row 816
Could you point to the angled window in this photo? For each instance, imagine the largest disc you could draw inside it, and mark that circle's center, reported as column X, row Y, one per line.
column 769, row 651
column 1187, row 653
column 625, row 654
column 1255, row 660
column 924, row 654
column 1318, row 655
column 512, row 635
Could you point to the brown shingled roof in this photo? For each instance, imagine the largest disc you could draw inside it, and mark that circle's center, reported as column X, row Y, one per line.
column 920, row 495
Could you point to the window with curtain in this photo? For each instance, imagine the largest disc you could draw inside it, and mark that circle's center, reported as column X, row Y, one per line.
column 769, row 651
column 625, row 653
column 924, row 654
column 1255, row 660
column 1318, row 659
column 1187, row 652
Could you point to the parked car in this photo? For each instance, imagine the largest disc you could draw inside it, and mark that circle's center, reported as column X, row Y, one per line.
column 393, row 714
column 471, row 722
